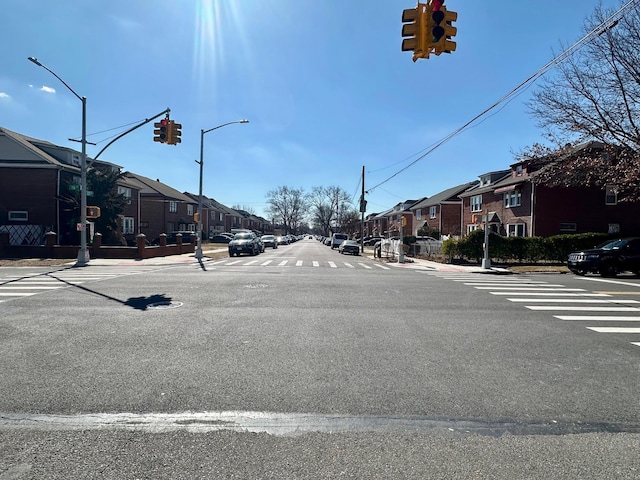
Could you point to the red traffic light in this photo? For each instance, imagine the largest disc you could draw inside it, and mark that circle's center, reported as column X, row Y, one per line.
column 161, row 132
column 436, row 4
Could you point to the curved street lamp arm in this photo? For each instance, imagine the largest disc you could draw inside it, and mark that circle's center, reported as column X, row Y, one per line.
column 244, row 120
column 35, row 60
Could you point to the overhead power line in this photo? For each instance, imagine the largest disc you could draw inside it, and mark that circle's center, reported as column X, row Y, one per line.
column 605, row 25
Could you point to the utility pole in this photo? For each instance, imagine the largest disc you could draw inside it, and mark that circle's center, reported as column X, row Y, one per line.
column 486, row 261
column 363, row 208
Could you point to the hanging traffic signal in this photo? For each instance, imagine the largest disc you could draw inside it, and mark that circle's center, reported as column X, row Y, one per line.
column 442, row 29
column 161, row 132
column 174, row 133
column 93, row 212
column 414, row 20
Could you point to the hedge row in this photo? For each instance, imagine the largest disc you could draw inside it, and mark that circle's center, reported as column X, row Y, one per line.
column 521, row 249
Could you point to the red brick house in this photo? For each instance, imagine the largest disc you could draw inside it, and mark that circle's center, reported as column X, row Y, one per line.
column 520, row 206
column 441, row 212
column 35, row 177
column 163, row 209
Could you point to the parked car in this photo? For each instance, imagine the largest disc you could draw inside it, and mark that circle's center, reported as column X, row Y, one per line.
column 337, row 239
column 607, row 259
column 370, row 241
column 349, row 246
column 260, row 244
column 282, row 240
column 244, row 242
column 221, row 238
column 270, row 241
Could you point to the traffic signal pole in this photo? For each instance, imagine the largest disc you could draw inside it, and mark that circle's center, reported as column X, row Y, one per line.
column 147, row 120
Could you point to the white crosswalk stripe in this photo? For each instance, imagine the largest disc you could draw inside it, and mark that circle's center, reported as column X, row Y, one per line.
column 538, row 295
column 16, row 287
column 227, row 262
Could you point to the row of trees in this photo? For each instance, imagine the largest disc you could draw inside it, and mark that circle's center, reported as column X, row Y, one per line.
column 322, row 210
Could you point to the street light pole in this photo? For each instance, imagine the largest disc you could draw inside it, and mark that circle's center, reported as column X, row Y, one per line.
column 201, row 162
column 83, row 253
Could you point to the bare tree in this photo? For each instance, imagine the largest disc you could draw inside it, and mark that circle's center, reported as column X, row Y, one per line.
column 596, row 91
column 245, row 208
column 327, row 205
column 287, row 206
column 595, row 95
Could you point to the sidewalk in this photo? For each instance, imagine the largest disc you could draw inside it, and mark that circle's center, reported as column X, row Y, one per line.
column 422, row 264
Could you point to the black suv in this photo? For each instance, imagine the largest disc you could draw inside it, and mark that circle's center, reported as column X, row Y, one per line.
column 608, row 259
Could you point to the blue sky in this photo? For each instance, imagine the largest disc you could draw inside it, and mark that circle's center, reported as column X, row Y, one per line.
column 324, row 84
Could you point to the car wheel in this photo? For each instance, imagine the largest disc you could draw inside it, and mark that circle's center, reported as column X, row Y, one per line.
column 608, row 269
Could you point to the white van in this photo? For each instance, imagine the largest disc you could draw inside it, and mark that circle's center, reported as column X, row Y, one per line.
column 337, row 239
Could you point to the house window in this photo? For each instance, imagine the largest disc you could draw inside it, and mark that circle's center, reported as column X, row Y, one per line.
column 516, row 230
column 173, row 206
column 519, row 170
column 419, row 214
column 568, row 227
column 432, row 211
column 611, row 195
column 18, row 215
column 221, row 217
column 476, row 203
column 512, row 199
column 126, row 193
column 189, row 209
column 127, row 225
column 472, row 226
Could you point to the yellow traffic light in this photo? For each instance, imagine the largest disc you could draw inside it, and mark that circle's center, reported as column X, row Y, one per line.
column 442, row 31
column 414, row 20
column 93, row 212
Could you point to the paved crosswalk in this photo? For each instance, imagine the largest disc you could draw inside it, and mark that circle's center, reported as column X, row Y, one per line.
column 597, row 310
column 28, row 284
column 292, row 262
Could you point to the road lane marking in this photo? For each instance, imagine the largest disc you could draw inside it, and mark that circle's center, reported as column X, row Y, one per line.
column 556, row 294
column 266, row 263
column 581, row 309
column 615, row 329
column 332, row 264
column 599, row 318
column 545, row 288
column 299, row 263
column 283, row 263
column 381, row 266
column 315, row 264
column 364, row 266
column 348, row 265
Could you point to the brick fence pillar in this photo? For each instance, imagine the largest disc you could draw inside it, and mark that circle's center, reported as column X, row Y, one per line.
column 141, row 243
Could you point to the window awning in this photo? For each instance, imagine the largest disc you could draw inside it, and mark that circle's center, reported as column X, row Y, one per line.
column 508, row 188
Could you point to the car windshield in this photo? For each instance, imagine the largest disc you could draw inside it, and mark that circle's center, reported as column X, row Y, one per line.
column 613, row 245
column 242, row 236
column 350, row 242
column 268, row 237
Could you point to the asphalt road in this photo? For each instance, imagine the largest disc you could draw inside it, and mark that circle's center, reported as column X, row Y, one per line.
column 304, row 363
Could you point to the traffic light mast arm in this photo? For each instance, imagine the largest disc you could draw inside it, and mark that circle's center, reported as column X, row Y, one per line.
column 147, row 120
